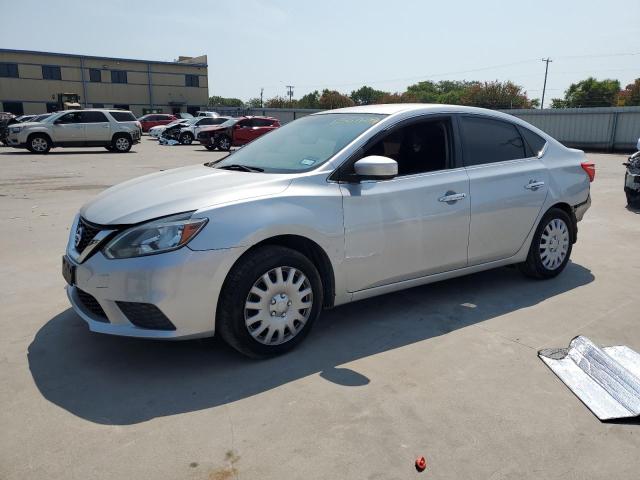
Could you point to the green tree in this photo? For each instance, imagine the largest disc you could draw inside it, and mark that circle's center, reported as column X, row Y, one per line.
column 630, row 96
column 366, row 96
column 590, row 93
column 254, row 103
column 496, row 95
column 334, row 99
column 217, row 101
column 424, row 92
column 277, row 102
column 310, row 100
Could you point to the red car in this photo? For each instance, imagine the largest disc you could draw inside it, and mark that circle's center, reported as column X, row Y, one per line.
column 155, row 119
column 236, row 132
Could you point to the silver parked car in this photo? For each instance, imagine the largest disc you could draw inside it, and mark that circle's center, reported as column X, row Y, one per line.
column 116, row 130
column 331, row 208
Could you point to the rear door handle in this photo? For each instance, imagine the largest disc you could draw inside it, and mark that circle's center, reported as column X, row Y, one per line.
column 451, row 197
column 533, row 185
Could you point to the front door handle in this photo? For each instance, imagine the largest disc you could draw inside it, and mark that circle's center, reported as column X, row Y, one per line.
column 452, row 197
column 533, row 185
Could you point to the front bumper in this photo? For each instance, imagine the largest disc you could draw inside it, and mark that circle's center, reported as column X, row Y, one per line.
column 184, row 285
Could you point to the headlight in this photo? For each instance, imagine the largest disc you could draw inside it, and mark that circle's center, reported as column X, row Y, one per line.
column 15, row 129
column 157, row 236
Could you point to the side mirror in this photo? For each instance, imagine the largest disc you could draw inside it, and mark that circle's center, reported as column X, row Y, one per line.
column 375, row 167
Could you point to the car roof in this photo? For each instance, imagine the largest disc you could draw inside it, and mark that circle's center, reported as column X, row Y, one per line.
column 396, row 108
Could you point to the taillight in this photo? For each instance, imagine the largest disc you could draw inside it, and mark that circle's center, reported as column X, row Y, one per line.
column 590, row 169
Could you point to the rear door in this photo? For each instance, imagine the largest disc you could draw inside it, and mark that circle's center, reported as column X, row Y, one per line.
column 97, row 128
column 259, row 127
column 68, row 130
column 508, row 186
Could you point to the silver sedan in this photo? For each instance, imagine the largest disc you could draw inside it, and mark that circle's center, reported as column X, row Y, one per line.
column 331, row 208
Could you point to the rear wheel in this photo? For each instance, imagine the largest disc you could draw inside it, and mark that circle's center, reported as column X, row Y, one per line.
column 269, row 301
column 551, row 246
column 186, row 138
column 39, row 143
column 121, row 143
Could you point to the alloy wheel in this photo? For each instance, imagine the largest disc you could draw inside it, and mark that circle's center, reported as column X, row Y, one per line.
column 122, row 144
column 278, row 305
column 39, row 144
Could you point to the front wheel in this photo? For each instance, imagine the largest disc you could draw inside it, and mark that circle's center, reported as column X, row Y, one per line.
column 269, row 301
column 186, row 138
column 224, row 143
column 39, row 144
column 551, row 246
column 121, row 143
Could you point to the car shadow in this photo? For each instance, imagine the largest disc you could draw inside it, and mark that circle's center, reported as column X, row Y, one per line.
column 67, row 152
column 121, row 381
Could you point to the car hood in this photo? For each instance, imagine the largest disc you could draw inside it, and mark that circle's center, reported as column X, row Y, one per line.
column 26, row 124
column 178, row 190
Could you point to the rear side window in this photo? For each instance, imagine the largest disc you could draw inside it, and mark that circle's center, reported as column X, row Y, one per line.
column 488, row 141
column 93, row 117
column 536, row 142
column 123, row 116
column 262, row 122
column 205, row 121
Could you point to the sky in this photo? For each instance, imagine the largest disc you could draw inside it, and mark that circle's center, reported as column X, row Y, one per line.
column 342, row 45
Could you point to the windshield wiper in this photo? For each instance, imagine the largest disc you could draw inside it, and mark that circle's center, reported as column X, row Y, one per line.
column 242, row 168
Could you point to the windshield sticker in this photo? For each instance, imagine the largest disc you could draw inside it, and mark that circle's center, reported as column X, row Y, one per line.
column 350, row 120
column 308, row 161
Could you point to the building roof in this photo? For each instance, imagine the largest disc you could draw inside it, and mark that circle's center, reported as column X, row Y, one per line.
column 184, row 62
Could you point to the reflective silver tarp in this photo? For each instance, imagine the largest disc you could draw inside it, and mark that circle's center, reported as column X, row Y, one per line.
column 607, row 380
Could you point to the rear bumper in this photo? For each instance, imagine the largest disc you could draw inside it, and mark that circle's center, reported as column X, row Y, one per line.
column 580, row 209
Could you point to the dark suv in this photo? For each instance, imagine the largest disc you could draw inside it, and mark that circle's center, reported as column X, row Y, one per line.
column 236, row 132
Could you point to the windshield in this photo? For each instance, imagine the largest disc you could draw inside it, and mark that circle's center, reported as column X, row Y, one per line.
column 303, row 144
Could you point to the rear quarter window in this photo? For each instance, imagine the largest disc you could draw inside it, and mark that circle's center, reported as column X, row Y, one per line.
column 535, row 142
column 486, row 140
column 123, row 116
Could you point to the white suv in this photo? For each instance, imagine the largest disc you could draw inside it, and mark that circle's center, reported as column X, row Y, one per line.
column 116, row 130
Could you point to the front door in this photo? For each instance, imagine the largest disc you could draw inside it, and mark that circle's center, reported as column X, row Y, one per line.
column 68, row 130
column 242, row 132
column 508, row 185
column 416, row 224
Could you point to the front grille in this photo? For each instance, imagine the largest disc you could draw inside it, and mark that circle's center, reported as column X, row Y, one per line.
column 87, row 232
column 90, row 303
column 146, row 315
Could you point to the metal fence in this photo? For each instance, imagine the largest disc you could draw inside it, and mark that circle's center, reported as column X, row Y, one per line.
column 602, row 128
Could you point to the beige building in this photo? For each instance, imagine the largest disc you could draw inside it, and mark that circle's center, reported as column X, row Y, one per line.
column 31, row 81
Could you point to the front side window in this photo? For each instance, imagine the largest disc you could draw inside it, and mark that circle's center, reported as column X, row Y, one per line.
column 93, row 117
column 9, row 70
column 205, row 121
column 95, row 75
column 51, row 72
column 303, row 144
column 118, row 76
column 192, row 80
column 486, row 140
column 73, row 117
column 418, row 148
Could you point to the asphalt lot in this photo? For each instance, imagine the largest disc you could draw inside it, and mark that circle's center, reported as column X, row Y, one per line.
column 448, row 371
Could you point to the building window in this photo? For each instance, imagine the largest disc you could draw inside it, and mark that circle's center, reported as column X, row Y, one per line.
column 95, row 75
column 9, row 70
column 98, row 105
column 13, row 107
column 52, row 107
column 51, row 72
column 120, row 106
column 118, row 76
column 192, row 80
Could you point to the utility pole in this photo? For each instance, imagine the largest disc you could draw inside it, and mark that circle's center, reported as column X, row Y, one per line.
column 290, row 92
column 544, row 88
column 261, row 92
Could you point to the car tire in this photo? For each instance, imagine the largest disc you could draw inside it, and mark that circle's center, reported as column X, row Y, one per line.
column 211, row 148
column 551, row 246
column 224, row 143
column 109, row 147
column 186, row 138
column 39, row 143
column 273, row 326
column 121, row 143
